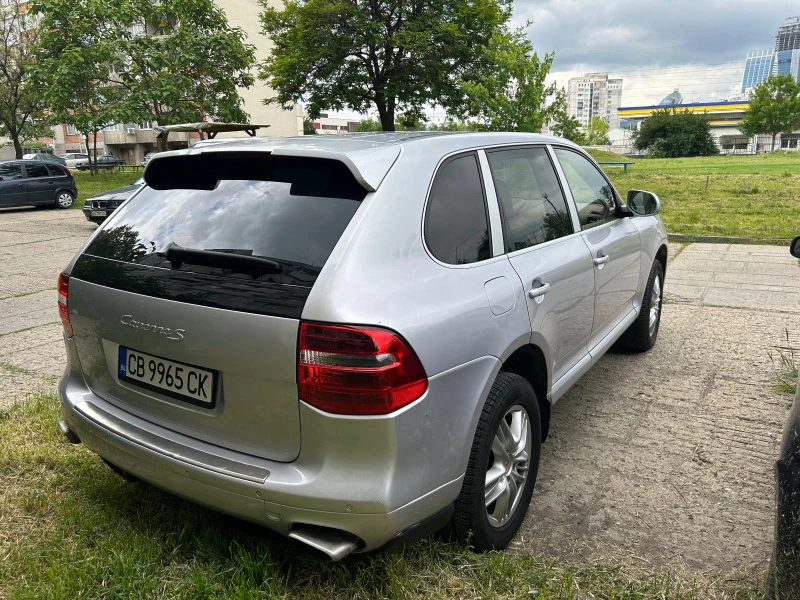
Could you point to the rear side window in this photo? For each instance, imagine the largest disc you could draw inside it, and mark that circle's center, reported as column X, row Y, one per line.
column 56, row 171
column 289, row 210
column 534, row 209
column 9, row 171
column 456, row 221
column 36, row 170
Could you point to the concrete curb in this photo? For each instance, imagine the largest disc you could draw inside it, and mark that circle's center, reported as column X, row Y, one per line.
column 718, row 239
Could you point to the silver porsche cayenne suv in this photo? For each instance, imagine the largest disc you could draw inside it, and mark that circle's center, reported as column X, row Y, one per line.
column 354, row 340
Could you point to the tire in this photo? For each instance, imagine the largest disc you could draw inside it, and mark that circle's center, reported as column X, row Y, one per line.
column 643, row 332
column 488, row 526
column 64, row 199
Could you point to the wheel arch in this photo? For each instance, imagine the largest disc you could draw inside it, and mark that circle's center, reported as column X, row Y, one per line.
column 661, row 256
column 529, row 362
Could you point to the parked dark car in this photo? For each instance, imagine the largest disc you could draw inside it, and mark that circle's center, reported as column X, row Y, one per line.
column 36, row 182
column 46, row 156
column 147, row 158
column 98, row 208
column 107, row 161
column 783, row 581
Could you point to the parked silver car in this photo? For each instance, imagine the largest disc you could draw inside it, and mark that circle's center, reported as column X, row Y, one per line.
column 354, row 339
column 72, row 160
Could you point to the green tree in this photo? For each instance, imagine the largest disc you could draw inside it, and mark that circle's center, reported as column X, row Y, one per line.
column 368, row 125
column 774, row 108
column 512, row 95
column 172, row 62
column 21, row 104
column 75, row 78
column 411, row 121
column 569, row 128
column 393, row 55
column 668, row 133
column 597, row 132
column 450, row 124
column 308, row 127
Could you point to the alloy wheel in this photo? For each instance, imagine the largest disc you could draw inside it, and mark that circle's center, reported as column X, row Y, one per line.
column 655, row 304
column 507, row 468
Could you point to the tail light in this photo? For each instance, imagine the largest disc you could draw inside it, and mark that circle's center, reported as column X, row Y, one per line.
column 357, row 370
column 63, row 306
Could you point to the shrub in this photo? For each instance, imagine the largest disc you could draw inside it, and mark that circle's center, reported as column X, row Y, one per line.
column 670, row 134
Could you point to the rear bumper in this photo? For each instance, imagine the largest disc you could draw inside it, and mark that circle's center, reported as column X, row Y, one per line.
column 342, row 480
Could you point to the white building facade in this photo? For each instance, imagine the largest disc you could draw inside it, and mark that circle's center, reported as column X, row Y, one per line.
column 594, row 95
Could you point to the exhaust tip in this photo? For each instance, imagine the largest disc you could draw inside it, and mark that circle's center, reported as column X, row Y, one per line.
column 335, row 544
column 69, row 433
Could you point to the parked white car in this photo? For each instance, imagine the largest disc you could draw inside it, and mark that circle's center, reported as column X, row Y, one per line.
column 74, row 159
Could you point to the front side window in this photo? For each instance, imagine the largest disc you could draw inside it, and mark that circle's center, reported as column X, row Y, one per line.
column 37, row 170
column 9, row 171
column 534, row 209
column 593, row 194
column 456, row 223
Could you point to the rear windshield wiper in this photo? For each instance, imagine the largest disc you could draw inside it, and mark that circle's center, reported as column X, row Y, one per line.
column 178, row 255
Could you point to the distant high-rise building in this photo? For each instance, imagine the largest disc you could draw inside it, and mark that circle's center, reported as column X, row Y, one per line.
column 783, row 60
column 594, row 95
column 757, row 68
column 786, row 59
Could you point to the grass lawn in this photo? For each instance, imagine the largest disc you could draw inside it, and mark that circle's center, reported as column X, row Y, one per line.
column 740, row 196
column 105, row 180
column 70, row 528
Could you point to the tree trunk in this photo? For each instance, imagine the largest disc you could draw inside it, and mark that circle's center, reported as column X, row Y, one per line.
column 94, row 133
column 88, row 153
column 774, row 135
column 385, row 111
column 17, row 146
column 161, row 141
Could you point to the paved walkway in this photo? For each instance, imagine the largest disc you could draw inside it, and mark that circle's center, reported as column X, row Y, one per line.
column 35, row 245
column 665, row 456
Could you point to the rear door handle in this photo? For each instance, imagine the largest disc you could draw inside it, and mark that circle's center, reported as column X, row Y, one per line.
column 601, row 259
column 537, row 293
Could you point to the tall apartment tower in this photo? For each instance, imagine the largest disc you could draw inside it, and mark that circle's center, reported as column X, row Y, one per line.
column 786, row 59
column 594, row 95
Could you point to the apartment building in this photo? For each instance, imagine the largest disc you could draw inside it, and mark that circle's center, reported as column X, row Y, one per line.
column 594, row 95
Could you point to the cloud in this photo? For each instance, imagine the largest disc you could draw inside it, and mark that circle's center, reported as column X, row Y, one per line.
column 655, row 45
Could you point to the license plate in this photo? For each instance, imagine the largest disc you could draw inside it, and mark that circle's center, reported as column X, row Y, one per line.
column 177, row 380
column 98, row 213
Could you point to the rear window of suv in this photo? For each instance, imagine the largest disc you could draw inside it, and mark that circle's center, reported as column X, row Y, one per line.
column 288, row 210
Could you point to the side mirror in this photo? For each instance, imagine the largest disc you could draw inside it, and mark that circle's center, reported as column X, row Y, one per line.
column 644, row 203
column 794, row 247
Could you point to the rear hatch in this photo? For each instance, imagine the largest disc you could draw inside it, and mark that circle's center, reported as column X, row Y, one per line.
column 185, row 307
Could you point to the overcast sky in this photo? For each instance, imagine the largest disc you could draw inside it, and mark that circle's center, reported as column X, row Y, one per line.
column 698, row 46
